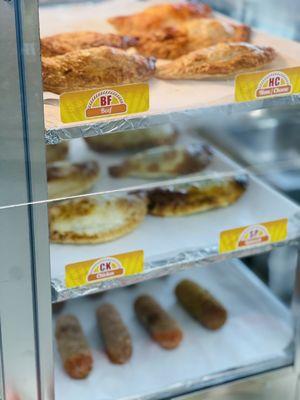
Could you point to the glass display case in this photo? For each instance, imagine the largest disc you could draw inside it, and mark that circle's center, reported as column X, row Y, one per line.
column 149, row 204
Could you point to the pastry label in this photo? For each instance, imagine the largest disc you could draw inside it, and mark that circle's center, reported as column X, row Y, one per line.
column 92, row 271
column 253, row 235
column 266, row 84
column 104, row 102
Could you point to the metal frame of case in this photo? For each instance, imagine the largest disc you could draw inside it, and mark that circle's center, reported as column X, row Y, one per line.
column 26, row 362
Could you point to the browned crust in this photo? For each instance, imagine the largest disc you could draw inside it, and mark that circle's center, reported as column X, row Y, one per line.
column 65, row 42
column 73, row 347
column 69, row 179
column 99, row 66
column 57, row 152
column 242, row 33
column 159, row 16
column 134, row 209
column 206, row 32
column 100, row 144
column 160, row 325
column 194, row 159
column 169, row 43
column 171, row 203
column 83, row 170
column 115, row 335
column 172, row 42
column 221, row 60
column 201, row 304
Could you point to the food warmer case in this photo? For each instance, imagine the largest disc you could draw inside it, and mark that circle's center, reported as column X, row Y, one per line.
column 149, row 247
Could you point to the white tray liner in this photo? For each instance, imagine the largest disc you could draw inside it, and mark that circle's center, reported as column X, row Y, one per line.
column 259, row 328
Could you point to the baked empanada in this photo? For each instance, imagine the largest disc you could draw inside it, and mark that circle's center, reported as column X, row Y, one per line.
column 168, row 43
column 95, row 220
column 65, row 42
column 197, row 33
column 164, row 162
column 138, row 139
column 69, row 179
column 190, row 199
column 205, row 32
column 159, row 16
column 221, row 60
column 99, row 66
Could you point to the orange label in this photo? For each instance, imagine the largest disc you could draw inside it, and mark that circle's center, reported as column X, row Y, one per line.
column 104, row 102
column 264, row 84
column 103, row 268
column 253, row 235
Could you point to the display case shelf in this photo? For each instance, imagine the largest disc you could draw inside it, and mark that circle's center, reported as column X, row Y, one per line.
column 204, row 358
column 171, row 244
column 169, row 100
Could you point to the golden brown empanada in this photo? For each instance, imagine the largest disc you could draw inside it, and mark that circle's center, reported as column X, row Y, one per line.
column 197, row 33
column 190, row 199
column 221, row 60
column 159, row 16
column 137, row 139
column 168, row 43
column 83, row 69
column 164, row 162
column 205, row 32
column 69, row 179
column 95, row 220
column 62, row 43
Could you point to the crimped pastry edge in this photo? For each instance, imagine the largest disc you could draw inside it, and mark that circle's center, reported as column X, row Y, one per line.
column 138, row 206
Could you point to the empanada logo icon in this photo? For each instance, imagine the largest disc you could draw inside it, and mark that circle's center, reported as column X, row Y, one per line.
column 105, row 267
column 273, row 84
column 105, row 102
column 254, row 235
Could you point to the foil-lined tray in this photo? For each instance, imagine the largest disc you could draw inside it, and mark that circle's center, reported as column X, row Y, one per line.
column 170, row 101
column 164, row 264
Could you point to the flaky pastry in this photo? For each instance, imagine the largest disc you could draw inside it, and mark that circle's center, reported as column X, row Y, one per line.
column 62, row 43
column 191, row 199
column 197, row 33
column 94, row 67
column 205, row 32
column 159, row 16
column 164, row 162
column 221, row 60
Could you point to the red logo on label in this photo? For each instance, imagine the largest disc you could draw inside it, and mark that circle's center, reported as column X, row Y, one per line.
column 273, row 84
column 105, row 102
column 103, row 268
column 254, row 235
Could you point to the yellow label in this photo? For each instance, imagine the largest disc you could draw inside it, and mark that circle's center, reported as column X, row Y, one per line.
column 266, row 84
column 104, row 102
column 253, row 235
column 103, row 268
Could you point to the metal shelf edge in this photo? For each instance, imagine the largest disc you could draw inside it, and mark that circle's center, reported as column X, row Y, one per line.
column 57, row 134
column 157, row 269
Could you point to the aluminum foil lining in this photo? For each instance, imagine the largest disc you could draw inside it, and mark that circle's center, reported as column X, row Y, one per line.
column 56, row 134
column 167, row 264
